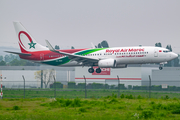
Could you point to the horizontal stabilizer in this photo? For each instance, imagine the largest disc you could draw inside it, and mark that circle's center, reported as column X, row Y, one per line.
column 25, row 54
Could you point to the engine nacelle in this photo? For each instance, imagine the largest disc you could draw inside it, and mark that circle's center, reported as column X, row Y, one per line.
column 107, row 63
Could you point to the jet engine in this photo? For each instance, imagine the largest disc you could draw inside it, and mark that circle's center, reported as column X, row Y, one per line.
column 107, row 63
column 110, row 63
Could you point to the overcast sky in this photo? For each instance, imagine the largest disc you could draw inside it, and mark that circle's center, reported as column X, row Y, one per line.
column 79, row 22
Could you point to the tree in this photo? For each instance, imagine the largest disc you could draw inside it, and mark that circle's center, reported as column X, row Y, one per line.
column 47, row 76
column 22, row 62
column 16, row 62
column 158, row 45
column 57, row 47
column 72, row 47
column 2, row 63
column 104, row 44
column 1, row 58
column 11, row 57
column 169, row 47
column 7, row 58
column 176, row 62
column 99, row 45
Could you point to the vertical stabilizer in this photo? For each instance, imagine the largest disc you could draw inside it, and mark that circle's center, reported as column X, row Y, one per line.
column 26, row 42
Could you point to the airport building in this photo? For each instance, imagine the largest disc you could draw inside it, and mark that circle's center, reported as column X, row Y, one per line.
column 135, row 75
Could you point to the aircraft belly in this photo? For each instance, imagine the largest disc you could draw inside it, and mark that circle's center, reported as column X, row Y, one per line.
column 130, row 60
column 71, row 63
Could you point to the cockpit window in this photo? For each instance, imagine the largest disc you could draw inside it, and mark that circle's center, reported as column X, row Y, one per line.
column 166, row 51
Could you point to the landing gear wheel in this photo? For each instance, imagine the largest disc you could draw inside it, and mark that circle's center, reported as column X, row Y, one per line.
column 160, row 68
column 98, row 70
column 90, row 70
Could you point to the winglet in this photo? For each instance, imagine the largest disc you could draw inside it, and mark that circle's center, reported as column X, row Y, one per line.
column 50, row 46
column 93, row 46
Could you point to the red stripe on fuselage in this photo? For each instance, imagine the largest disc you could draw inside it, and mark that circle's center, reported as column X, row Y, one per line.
column 48, row 55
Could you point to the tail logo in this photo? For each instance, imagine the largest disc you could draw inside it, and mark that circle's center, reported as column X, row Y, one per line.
column 31, row 44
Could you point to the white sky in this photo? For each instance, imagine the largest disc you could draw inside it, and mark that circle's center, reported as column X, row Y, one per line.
column 79, row 22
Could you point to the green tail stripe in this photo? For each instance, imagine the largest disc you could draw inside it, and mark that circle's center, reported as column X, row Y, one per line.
column 58, row 62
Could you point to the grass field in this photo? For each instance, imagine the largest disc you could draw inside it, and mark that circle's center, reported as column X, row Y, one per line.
column 127, row 107
column 74, row 93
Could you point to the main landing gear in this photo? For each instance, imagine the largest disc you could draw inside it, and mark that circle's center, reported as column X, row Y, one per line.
column 91, row 70
column 98, row 70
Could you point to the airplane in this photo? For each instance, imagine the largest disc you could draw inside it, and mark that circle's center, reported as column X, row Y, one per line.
column 116, row 57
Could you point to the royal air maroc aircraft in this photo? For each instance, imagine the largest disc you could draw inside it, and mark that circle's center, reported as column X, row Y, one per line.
column 117, row 57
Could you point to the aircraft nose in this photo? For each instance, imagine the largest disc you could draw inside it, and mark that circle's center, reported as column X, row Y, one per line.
column 174, row 55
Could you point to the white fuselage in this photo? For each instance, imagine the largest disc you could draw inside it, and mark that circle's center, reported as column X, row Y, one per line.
column 131, row 55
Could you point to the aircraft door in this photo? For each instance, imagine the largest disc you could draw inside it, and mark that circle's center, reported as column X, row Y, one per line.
column 155, row 52
column 41, row 56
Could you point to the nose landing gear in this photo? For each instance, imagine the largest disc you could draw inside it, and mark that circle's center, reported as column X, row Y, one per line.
column 161, row 66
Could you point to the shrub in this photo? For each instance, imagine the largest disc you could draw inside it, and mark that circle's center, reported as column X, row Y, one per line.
column 147, row 114
column 167, row 97
column 129, row 97
column 82, row 109
column 114, row 95
column 175, row 98
column 130, row 87
column 139, row 97
column 121, row 86
column 122, row 96
column 176, row 111
column 76, row 102
column 81, row 86
column 113, row 100
column 139, row 107
column 16, row 107
column 68, row 102
column 97, row 86
column 71, row 85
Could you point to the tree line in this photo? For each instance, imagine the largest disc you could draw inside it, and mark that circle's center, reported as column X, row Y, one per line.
column 14, row 60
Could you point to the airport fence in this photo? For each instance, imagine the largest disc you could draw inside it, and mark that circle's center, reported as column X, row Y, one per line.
column 91, row 88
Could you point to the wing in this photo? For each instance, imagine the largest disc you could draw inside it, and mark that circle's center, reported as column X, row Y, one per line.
column 85, row 60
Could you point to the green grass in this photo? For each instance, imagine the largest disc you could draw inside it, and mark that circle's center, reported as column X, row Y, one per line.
column 91, row 93
column 105, row 108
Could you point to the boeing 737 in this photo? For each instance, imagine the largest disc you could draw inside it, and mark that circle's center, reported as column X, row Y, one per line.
column 117, row 57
